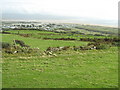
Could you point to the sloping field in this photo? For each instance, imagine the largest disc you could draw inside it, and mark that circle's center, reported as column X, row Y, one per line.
column 65, row 69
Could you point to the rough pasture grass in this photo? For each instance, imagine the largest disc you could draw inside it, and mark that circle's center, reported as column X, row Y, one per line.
column 69, row 69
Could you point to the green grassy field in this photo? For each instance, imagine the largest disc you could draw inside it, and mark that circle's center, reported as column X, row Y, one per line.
column 44, row 34
column 68, row 69
column 42, row 44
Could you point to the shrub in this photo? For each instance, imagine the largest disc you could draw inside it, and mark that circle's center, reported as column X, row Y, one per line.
column 5, row 45
column 116, row 43
column 21, row 43
column 102, row 46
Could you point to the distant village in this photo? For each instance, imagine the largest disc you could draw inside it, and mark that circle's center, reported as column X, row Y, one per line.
column 38, row 26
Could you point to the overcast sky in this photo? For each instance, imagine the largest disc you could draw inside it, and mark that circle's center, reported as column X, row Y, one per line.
column 101, row 9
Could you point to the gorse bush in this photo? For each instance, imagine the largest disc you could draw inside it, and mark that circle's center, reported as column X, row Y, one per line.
column 116, row 43
column 14, row 48
column 102, row 46
column 5, row 45
column 21, row 43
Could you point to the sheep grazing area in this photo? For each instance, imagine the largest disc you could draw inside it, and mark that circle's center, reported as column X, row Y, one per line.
column 44, row 59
